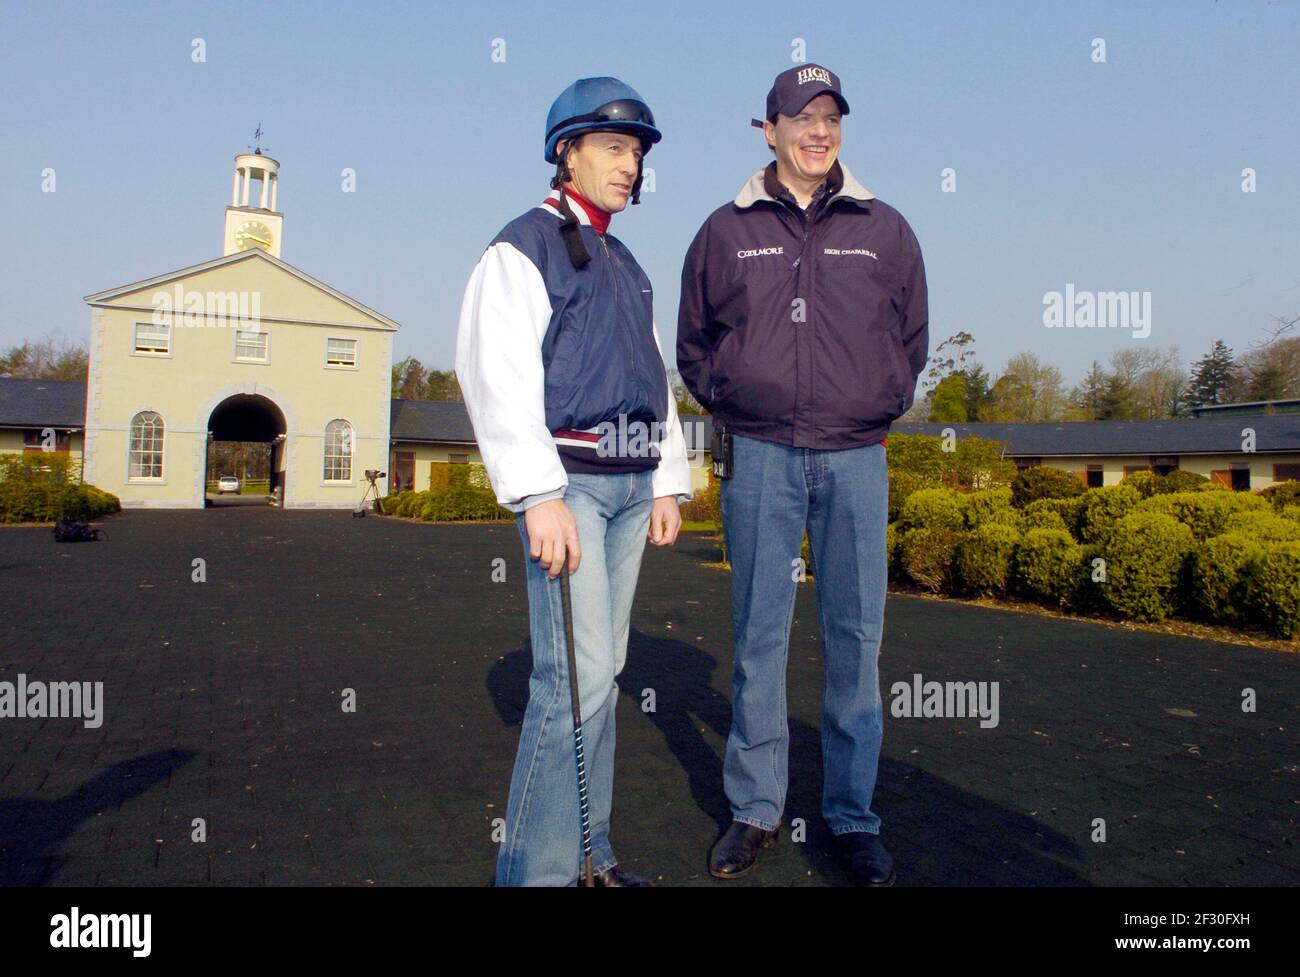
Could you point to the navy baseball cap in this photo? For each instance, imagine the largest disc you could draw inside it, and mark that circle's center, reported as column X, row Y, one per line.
column 797, row 86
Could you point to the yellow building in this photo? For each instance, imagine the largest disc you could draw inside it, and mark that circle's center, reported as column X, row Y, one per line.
column 245, row 347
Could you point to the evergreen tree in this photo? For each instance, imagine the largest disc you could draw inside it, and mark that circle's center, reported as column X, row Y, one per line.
column 1212, row 375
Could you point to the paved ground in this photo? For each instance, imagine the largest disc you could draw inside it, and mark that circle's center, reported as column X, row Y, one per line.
column 223, row 704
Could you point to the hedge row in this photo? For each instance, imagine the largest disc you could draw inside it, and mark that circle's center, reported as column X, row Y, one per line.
column 1224, row 556
column 47, row 487
column 459, row 493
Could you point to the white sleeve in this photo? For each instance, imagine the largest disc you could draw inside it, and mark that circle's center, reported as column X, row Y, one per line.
column 503, row 320
column 673, row 476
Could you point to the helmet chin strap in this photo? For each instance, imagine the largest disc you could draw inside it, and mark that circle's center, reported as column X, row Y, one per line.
column 569, row 228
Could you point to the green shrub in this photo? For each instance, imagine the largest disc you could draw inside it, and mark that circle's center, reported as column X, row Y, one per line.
column 932, row 508
column 1145, row 558
column 1264, row 526
column 706, row 504
column 1145, row 482
column 1068, row 511
column 1219, row 574
column 1043, row 482
column 1273, row 588
column 1291, row 512
column 1206, row 513
column 985, row 558
column 1103, row 508
column 989, row 506
column 1180, row 481
column 47, row 501
column 1041, row 515
column 929, row 556
column 1089, row 581
column 1046, row 563
column 893, row 550
column 1281, row 495
column 902, row 484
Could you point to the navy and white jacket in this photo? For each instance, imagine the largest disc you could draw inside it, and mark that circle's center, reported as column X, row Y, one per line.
column 549, row 356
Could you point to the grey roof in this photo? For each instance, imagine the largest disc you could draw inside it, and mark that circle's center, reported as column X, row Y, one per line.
column 42, row 403
column 1201, row 435
column 447, row 421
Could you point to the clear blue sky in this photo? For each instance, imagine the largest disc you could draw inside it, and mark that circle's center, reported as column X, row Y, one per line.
column 1123, row 175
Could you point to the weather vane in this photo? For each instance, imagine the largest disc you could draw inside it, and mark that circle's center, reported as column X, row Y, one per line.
column 257, row 140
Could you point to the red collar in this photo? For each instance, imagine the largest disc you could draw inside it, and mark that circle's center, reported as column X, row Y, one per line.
column 598, row 216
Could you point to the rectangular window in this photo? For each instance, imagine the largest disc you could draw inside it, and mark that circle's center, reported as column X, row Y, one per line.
column 1240, row 478
column 1286, row 473
column 340, row 352
column 1096, row 477
column 1130, row 469
column 1023, row 463
column 152, row 338
column 458, row 459
column 251, row 346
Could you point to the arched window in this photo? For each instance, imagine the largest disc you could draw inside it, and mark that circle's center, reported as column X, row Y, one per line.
column 146, row 459
column 338, row 451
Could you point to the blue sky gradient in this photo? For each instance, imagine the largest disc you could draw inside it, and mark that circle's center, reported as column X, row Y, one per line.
column 1117, row 176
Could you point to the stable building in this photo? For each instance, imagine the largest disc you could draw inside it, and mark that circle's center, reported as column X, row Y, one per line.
column 244, row 347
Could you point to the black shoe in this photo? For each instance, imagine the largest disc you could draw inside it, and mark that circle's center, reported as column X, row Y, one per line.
column 865, row 856
column 616, row 876
column 736, row 852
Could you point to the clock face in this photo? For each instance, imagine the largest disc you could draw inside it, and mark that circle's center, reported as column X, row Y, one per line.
column 253, row 234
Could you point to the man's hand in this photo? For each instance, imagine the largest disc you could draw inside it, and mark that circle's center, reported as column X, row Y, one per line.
column 553, row 532
column 665, row 521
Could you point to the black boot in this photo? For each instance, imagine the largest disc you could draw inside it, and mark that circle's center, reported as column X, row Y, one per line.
column 736, row 852
column 617, row 877
column 864, row 855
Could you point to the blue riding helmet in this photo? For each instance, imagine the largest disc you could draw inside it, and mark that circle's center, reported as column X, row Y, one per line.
column 599, row 103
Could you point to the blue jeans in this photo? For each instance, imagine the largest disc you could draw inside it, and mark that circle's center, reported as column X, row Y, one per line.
column 543, row 837
column 841, row 497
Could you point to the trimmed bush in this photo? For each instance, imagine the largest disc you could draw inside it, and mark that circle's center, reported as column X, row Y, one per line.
column 929, row 556
column 29, row 493
column 893, row 550
column 1273, row 589
column 1041, row 515
column 1145, row 482
column 1206, row 513
column 1043, row 482
column 1220, row 571
column 1069, row 510
column 1282, row 495
column 1046, row 562
column 1145, row 558
column 934, row 508
column 1180, row 481
column 1264, row 526
column 1103, row 508
column 989, row 506
column 985, row 557
column 1291, row 512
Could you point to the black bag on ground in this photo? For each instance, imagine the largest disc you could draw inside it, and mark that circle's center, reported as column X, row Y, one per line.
column 72, row 531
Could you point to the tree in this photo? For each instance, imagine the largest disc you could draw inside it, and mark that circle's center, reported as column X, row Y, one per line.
column 1212, row 376
column 51, row 358
column 948, row 405
column 1028, row 391
column 950, row 356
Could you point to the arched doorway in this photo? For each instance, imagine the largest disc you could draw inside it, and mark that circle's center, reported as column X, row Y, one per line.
column 246, row 442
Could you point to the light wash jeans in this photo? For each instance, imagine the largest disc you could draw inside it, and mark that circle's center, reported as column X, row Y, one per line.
column 842, row 498
column 543, row 838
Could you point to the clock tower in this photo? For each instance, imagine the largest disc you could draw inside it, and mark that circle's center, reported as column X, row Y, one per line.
column 257, row 180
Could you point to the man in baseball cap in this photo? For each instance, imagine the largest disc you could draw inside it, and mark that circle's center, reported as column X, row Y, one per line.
column 802, row 329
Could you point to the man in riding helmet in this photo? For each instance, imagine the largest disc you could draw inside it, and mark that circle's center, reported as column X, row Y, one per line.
column 560, row 364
